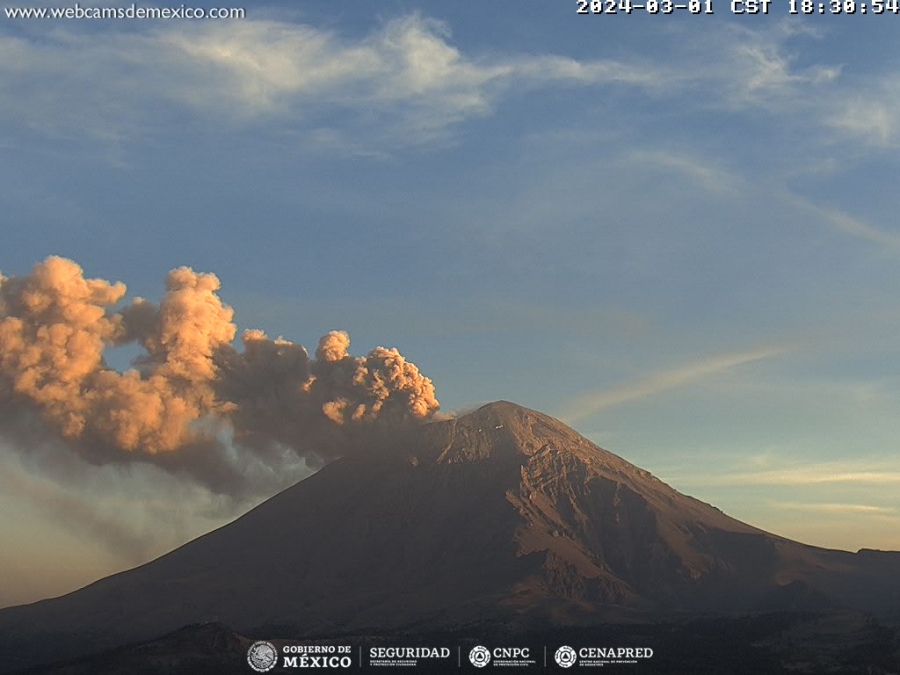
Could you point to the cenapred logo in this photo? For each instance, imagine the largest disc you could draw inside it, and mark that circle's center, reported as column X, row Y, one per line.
column 262, row 656
column 565, row 656
column 480, row 656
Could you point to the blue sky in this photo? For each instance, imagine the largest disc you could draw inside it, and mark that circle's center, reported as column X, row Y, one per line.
column 677, row 233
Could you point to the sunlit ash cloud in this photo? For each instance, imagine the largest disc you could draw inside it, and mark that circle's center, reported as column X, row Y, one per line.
column 192, row 403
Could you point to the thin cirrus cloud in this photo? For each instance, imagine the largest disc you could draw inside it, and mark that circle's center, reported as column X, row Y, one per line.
column 843, row 222
column 839, row 509
column 870, row 114
column 824, row 473
column 406, row 78
column 245, row 70
column 701, row 172
column 766, row 73
column 739, row 67
column 662, row 381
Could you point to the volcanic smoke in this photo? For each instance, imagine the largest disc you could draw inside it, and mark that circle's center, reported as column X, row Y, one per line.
column 191, row 399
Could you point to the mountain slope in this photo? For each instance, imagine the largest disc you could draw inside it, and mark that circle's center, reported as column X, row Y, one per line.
column 504, row 515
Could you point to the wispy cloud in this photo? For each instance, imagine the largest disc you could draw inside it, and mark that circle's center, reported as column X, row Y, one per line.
column 874, row 121
column 406, row 75
column 838, row 509
column 843, row 222
column 405, row 82
column 764, row 71
column 739, row 67
column 822, row 473
column 870, row 114
column 407, row 72
column 702, row 172
column 659, row 382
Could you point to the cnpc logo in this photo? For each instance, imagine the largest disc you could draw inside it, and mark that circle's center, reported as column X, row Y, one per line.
column 481, row 656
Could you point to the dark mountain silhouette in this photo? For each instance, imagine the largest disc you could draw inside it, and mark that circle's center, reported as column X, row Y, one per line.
column 502, row 517
column 204, row 649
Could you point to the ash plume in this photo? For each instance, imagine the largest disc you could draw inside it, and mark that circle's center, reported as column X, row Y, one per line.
column 192, row 403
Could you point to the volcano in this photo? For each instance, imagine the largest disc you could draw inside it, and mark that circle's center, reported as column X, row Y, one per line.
column 503, row 516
